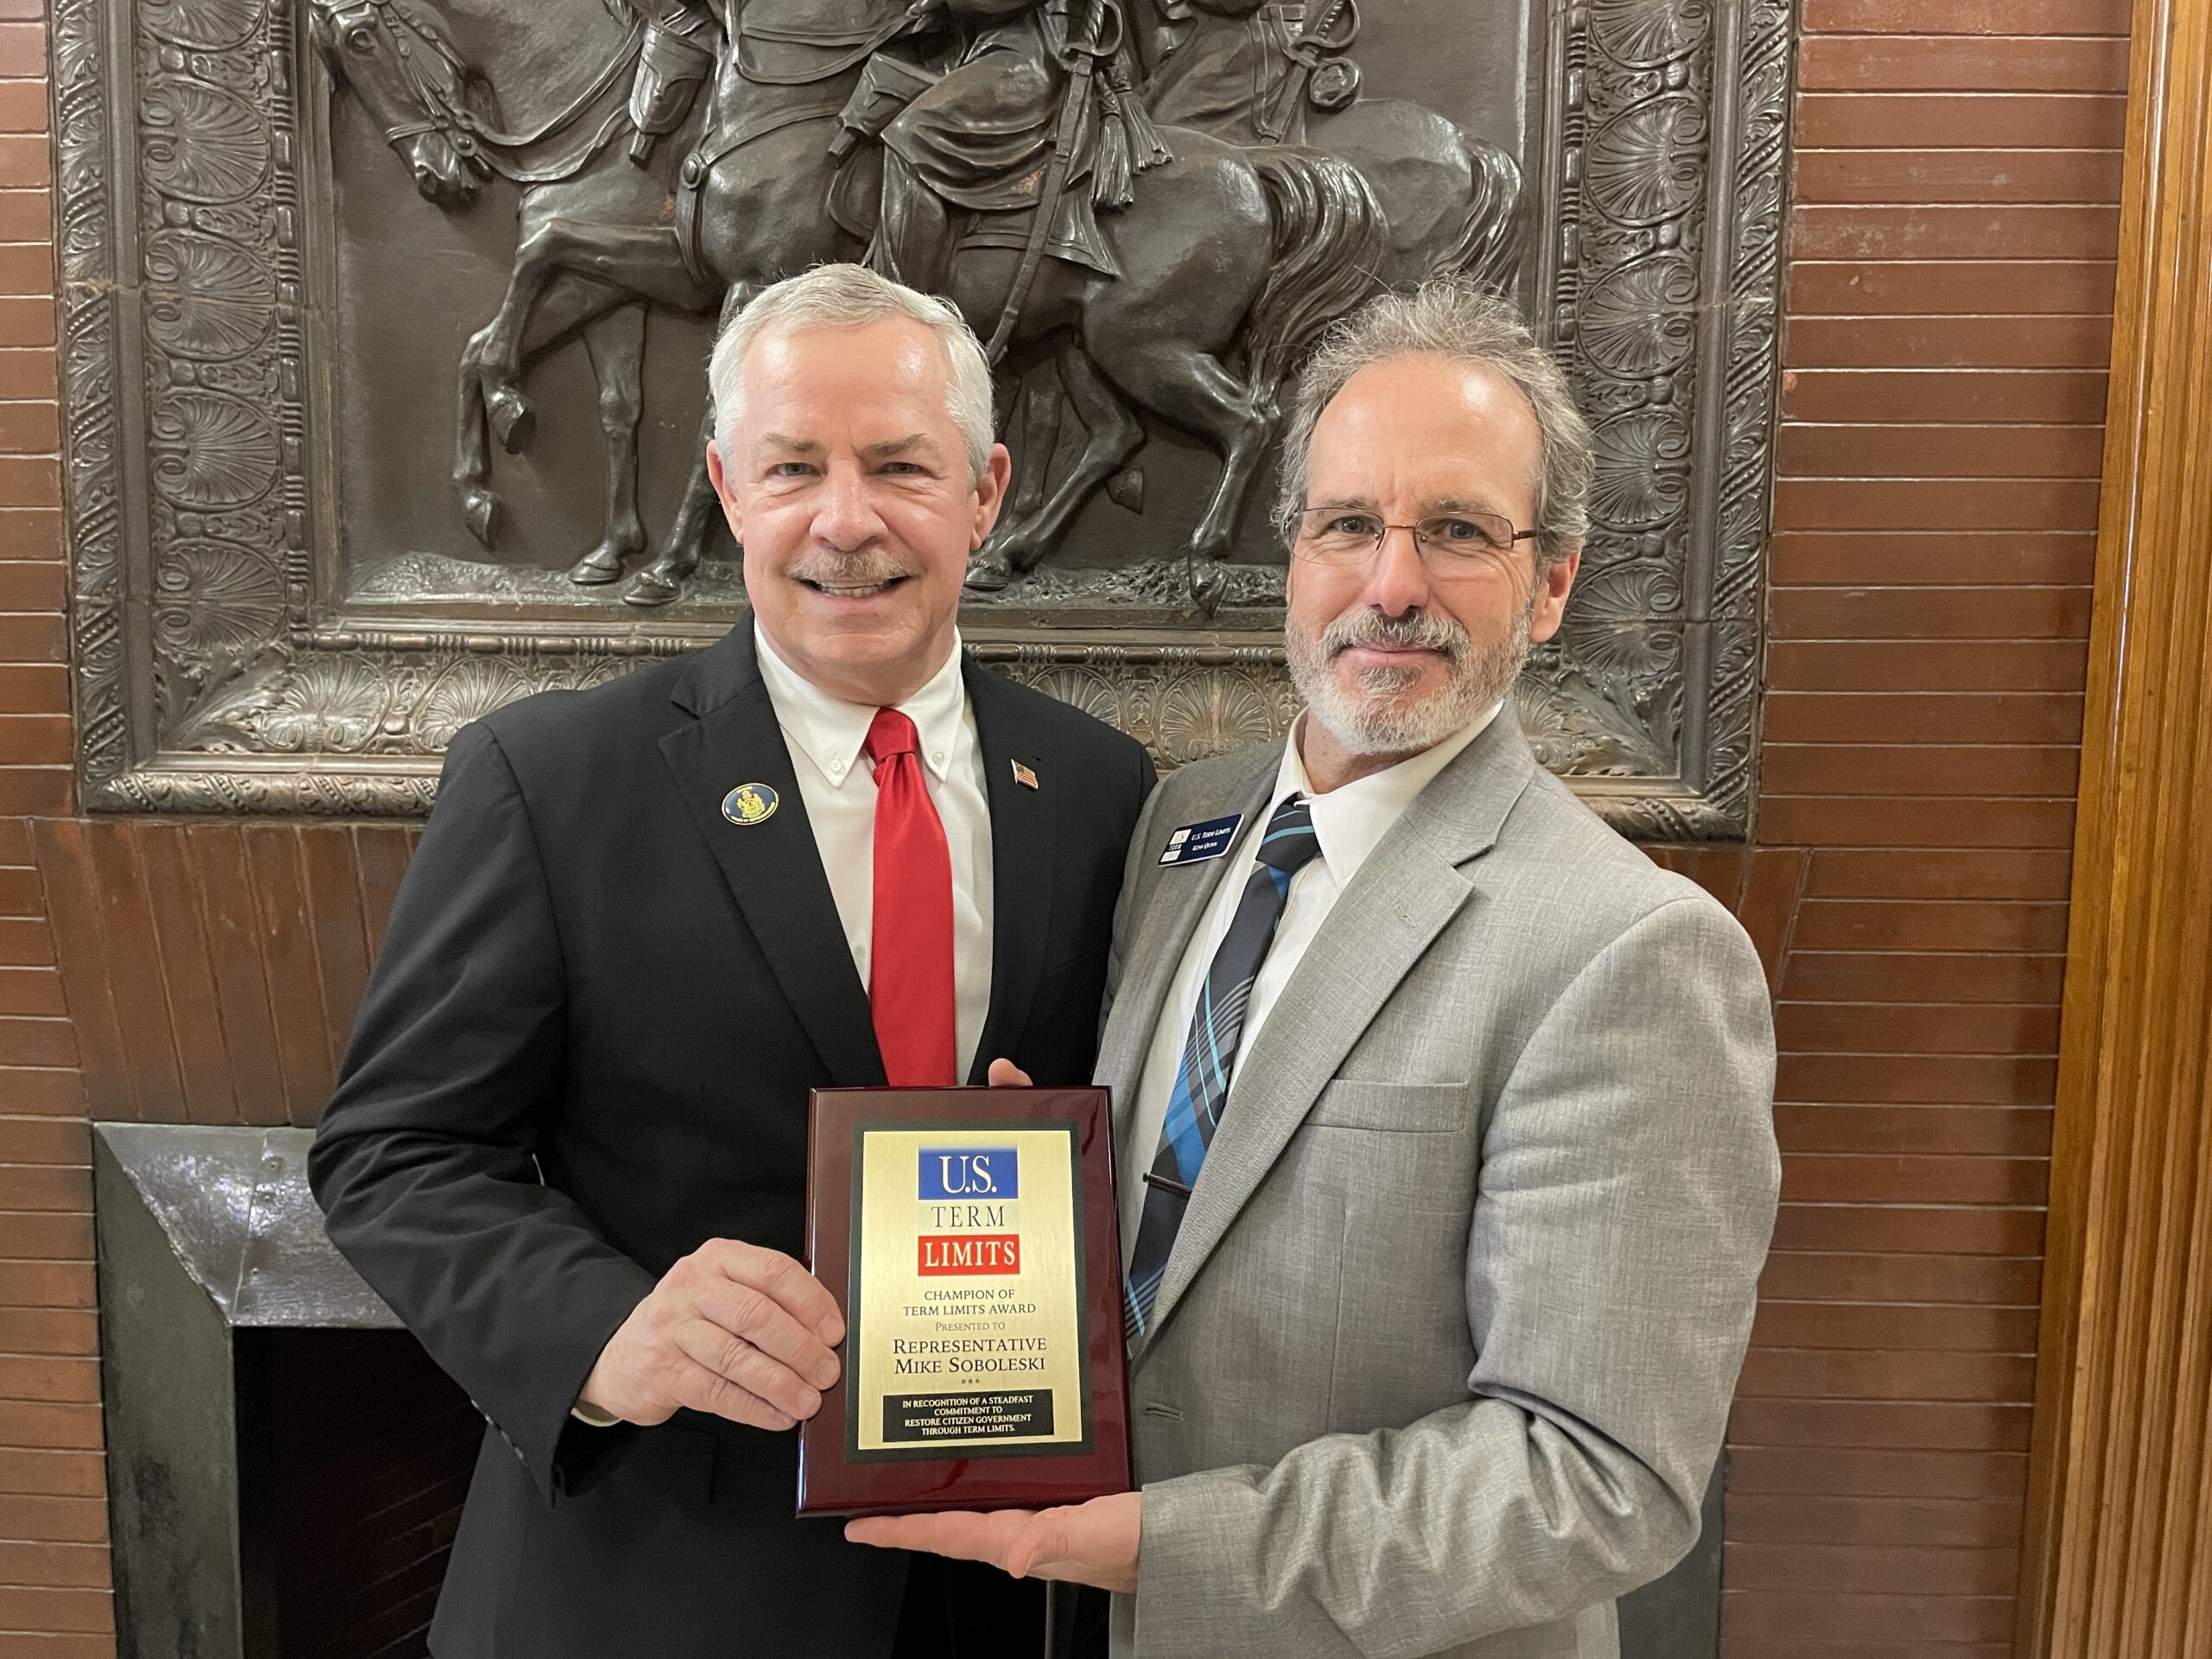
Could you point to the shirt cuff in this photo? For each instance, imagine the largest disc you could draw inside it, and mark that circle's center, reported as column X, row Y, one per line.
column 593, row 1416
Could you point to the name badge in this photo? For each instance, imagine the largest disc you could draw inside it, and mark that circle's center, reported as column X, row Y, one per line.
column 1194, row 843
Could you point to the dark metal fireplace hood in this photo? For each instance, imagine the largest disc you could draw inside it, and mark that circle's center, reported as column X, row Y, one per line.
column 207, row 1237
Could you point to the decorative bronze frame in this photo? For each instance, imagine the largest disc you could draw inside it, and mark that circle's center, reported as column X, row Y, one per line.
column 213, row 675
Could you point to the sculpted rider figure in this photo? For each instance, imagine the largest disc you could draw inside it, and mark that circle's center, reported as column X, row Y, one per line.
column 981, row 138
column 682, row 39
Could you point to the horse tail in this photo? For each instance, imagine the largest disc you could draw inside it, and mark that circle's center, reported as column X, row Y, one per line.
column 1489, row 242
column 1329, row 249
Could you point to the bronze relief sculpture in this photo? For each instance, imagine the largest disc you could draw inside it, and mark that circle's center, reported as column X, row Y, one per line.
column 296, row 573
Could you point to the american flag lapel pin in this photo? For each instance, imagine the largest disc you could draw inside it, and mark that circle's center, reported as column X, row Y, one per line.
column 1023, row 776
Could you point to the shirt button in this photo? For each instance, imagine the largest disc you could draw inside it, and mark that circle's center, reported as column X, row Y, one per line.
column 836, row 768
column 939, row 757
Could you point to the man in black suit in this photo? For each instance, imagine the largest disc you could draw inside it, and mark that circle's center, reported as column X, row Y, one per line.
column 567, row 1145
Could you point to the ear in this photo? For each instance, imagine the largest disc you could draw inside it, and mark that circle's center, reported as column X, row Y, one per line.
column 718, row 477
column 990, row 494
column 1552, row 590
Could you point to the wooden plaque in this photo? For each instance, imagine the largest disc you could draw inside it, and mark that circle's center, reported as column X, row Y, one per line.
column 970, row 1237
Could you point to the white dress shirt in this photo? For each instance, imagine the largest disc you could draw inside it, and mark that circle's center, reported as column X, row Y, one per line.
column 1348, row 821
column 828, row 739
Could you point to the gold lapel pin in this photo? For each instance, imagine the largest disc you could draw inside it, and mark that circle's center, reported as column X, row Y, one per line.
column 1023, row 776
column 749, row 803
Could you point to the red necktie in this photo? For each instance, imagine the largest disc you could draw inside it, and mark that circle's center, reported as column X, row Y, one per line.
column 909, row 960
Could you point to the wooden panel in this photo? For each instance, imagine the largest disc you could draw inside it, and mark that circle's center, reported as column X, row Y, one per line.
column 1956, row 175
column 1971, row 717
column 2014, row 1131
column 1965, row 64
column 256, row 1076
column 1871, row 1569
column 1859, row 288
column 1984, row 1424
column 296, row 990
column 2118, row 1559
column 1796, row 1276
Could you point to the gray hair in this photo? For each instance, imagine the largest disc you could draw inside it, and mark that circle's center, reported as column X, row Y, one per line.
column 851, row 296
column 1454, row 320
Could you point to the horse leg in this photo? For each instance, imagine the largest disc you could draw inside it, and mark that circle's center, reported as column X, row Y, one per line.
column 616, row 345
column 1038, row 422
column 471, row 456
column 645, row 262
column 663, row 579
column 568, row 303
column 1194, row 389
column 1112, row 436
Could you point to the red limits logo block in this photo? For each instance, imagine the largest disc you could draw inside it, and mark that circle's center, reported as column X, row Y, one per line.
column 965, row 1254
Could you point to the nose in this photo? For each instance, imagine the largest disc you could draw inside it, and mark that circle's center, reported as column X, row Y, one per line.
column 1397, row 581
column 845, row 516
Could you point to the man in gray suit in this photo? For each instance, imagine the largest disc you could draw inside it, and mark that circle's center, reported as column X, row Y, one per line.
column 1445, row 1116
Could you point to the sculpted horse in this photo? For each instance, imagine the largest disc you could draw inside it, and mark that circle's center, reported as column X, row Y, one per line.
column 442, row 118
column 1232, row 260
column 1240, row 69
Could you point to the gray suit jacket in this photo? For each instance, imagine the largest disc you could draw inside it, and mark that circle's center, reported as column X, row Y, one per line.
column 1443, row 1356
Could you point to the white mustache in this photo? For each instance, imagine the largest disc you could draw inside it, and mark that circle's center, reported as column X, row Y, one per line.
column 1422, row 631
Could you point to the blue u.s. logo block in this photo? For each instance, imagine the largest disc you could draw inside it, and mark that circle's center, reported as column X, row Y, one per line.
column 971, row 1173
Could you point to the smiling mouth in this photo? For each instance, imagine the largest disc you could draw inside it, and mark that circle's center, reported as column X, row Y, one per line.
column 853, row 589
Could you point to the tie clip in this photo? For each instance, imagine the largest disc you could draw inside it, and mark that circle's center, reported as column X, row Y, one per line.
column 1166, row 1186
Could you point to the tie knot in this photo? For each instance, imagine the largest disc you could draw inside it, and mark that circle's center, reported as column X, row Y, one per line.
column 890, row 734
column 1290, row 843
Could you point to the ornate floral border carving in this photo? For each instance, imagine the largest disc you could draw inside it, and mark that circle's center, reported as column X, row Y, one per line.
column 213, row 676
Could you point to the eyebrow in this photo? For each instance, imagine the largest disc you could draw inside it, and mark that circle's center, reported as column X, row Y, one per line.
column 1444, row 504
column 1468, row 504
column 790, row 445
column 892, row 446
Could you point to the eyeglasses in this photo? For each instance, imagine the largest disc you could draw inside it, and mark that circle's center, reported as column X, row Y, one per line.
column 1345, row 535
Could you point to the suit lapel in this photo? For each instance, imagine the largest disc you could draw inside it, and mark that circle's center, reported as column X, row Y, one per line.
column 773, row 866
column 1406, row 892
column 1174, row 900
column 1021, row 845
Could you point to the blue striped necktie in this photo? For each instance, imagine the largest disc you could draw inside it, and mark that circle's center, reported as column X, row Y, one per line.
column 1210, row 1055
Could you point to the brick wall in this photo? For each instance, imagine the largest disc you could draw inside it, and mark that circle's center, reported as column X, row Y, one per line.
column 1952, row 246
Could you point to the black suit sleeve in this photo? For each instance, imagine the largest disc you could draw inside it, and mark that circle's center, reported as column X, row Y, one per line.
column 425, row 1162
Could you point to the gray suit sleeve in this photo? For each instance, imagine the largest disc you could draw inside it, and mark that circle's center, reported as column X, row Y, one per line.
column 1126, row 908
column 1625, row 1202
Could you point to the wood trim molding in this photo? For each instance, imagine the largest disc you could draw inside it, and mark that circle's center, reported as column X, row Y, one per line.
column 2116, row 1556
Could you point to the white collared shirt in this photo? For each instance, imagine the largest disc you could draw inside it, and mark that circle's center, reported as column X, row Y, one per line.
column 1350, row 822
column 828, row 739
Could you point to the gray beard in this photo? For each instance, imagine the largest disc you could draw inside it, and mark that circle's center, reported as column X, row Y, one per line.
column 1378, row 719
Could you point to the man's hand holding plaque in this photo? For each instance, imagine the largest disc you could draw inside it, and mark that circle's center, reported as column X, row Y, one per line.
column 732, row 1329
column 1094, row 1543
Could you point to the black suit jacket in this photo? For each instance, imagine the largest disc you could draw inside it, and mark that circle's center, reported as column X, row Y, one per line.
column 586, row 1049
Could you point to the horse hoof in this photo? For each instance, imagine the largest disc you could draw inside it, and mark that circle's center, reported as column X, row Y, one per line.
column 654, row 585
column 987, row 574
column 514, row 422
column 602, row 565
column 1126, row 489
column 1208, row 588
column 479, row 511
